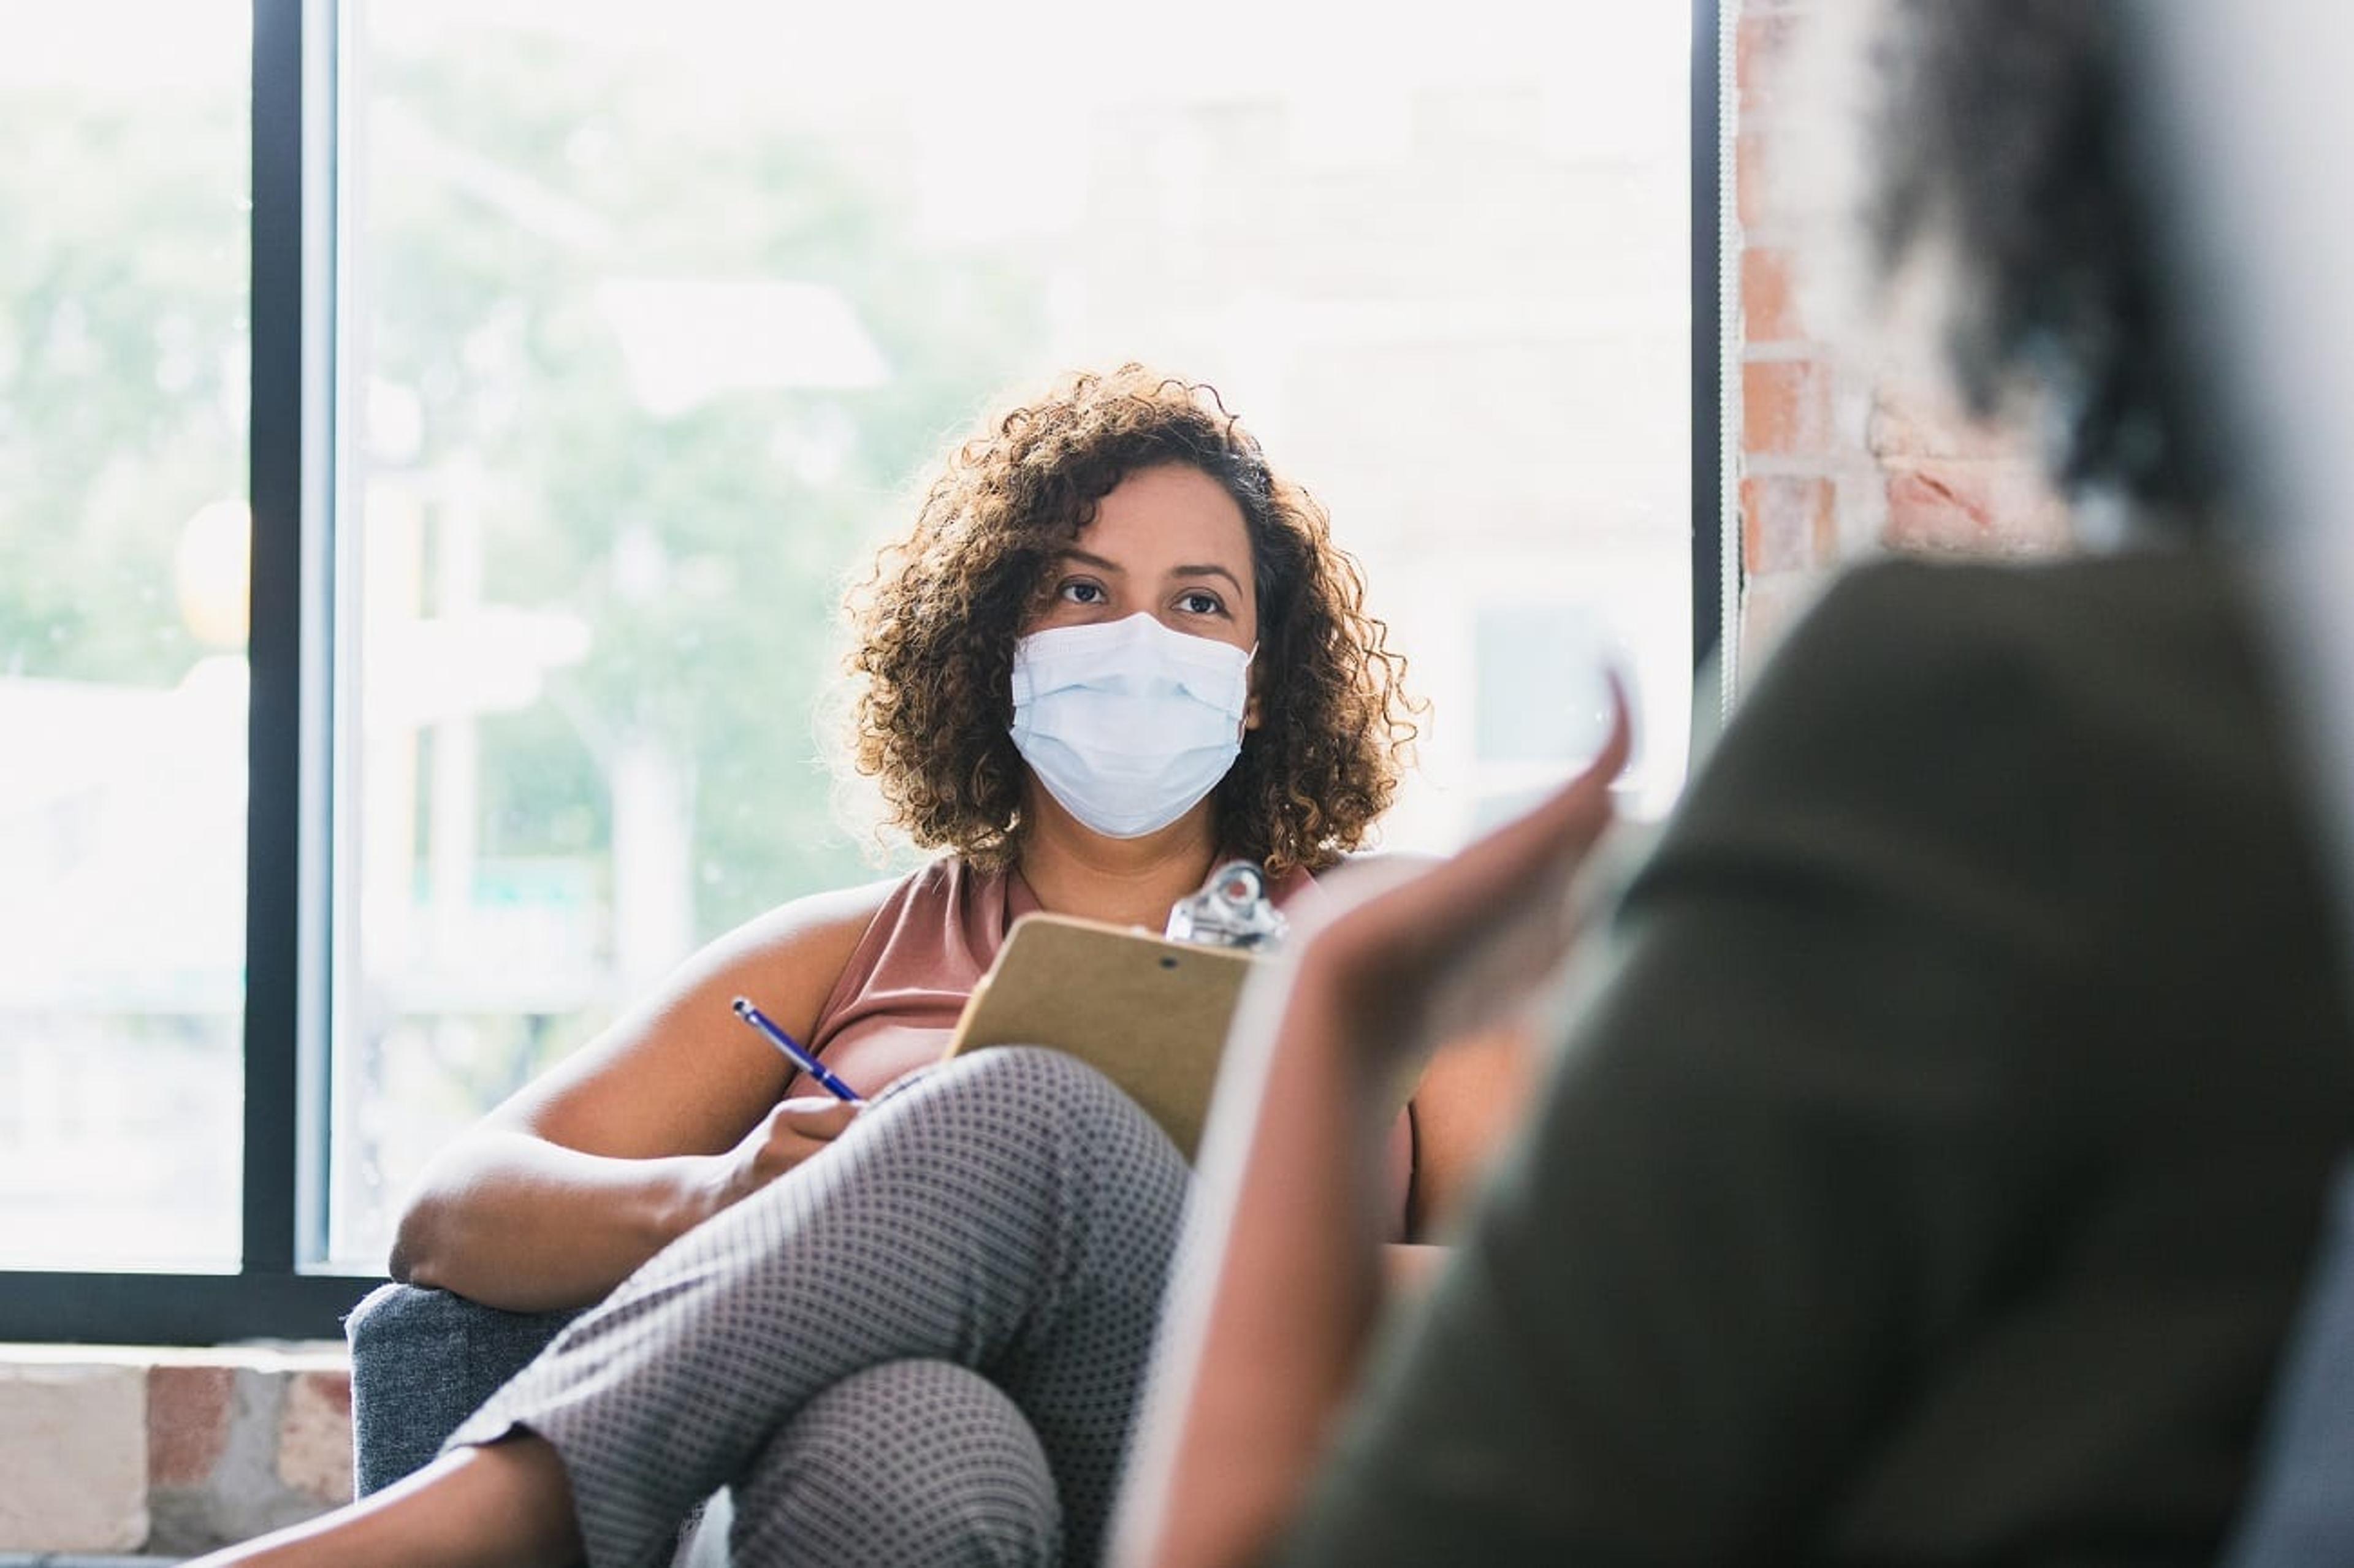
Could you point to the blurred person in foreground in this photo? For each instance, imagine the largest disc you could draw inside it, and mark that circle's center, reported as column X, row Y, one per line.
column 1934, row 1174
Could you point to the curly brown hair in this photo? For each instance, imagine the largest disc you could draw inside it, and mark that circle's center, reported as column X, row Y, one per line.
column 935, row 622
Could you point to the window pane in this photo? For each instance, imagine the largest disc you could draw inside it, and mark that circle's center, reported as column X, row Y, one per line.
column 658, row 316
column 122, row 544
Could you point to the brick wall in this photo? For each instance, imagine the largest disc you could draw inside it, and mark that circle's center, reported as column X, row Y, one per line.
column 1844, row 451
column 170, row 1451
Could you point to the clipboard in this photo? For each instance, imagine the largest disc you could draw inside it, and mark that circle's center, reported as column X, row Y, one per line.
column 1148, row 1013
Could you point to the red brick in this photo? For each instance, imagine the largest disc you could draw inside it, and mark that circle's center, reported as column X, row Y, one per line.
column 73, row 1457
column 1762, row 51
column 1785, row 407
column 1976, row 507
column 1769, row 308
column 1751, row 171
column 1769, row 606
column 1915, row 416
column 314, row 1435
column 187, row 1422
column 1788, row 523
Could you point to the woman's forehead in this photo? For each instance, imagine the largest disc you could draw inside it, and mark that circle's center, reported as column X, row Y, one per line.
column 1159, row 519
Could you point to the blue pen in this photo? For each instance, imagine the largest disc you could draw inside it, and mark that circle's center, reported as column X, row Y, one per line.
column 796, row 1053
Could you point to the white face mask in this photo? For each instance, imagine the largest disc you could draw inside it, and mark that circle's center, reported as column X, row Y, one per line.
column 1127, row 722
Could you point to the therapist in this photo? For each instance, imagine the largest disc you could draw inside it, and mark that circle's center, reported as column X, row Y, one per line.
column 1116, row 650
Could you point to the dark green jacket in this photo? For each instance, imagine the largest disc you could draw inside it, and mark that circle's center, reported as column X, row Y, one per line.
column 1933, row 1177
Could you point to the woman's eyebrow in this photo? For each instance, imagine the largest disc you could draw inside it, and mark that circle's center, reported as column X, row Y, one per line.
column 1208, row 569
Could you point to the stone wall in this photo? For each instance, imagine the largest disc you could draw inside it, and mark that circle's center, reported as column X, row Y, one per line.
column 168, row 1452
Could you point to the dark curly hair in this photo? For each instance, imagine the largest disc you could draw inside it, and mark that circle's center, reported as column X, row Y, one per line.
column 934, row 625
column 2005, row 127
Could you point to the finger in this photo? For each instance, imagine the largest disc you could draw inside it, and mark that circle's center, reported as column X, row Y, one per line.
column 1567, row 822
column 1456, row 945
column 1521, row 869
column 818, row 1117
column 1569, row 818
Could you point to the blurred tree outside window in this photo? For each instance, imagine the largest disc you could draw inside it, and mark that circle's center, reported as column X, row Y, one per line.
column 123, row 418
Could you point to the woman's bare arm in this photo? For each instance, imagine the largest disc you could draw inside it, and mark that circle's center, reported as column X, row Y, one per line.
column 1283, row 1242
column 1471, row 1096
column 1470, row 1099
column 670, row 1115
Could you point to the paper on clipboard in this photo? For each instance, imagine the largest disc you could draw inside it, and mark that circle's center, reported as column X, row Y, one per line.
column 1150, row 1015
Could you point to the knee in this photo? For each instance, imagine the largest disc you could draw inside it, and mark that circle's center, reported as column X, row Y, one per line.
column 1027, row 1086
column 913, row 1462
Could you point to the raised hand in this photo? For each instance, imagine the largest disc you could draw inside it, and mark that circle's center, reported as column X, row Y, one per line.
column 1407, row 961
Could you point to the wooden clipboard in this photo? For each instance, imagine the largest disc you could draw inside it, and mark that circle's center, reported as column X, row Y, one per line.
column 1150, row 1015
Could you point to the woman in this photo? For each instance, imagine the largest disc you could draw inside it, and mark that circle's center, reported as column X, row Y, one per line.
column 1116, row 649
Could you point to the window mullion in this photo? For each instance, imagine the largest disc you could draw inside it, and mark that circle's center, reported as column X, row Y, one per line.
column 275, row 482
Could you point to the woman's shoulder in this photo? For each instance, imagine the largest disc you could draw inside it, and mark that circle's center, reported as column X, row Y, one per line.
column 795, row 952
column 801, row 928
column 836, row 920
column 1911, row 620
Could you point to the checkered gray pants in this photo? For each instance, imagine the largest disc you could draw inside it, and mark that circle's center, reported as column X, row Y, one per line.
column 924, row 1347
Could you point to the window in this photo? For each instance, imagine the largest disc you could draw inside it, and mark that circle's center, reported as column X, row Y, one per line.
column 592, row 351
column 122, row 430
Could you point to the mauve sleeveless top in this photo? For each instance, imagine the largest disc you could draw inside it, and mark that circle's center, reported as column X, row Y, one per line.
column 899, row 998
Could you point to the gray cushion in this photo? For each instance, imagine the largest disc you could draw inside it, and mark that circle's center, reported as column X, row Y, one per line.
column 423, row 1361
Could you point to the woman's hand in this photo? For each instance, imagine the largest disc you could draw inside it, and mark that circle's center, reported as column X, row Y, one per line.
column 1404, row 962
column 1280, row 1278
column 793, row 1131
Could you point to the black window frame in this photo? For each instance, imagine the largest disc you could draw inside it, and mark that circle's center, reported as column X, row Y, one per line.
column 274, row 1294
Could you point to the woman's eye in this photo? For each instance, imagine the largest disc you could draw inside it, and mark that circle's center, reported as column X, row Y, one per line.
column 1200, row 603
column 1078, row 592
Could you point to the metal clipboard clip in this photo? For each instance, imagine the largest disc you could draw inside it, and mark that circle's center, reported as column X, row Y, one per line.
column 1231, row 911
